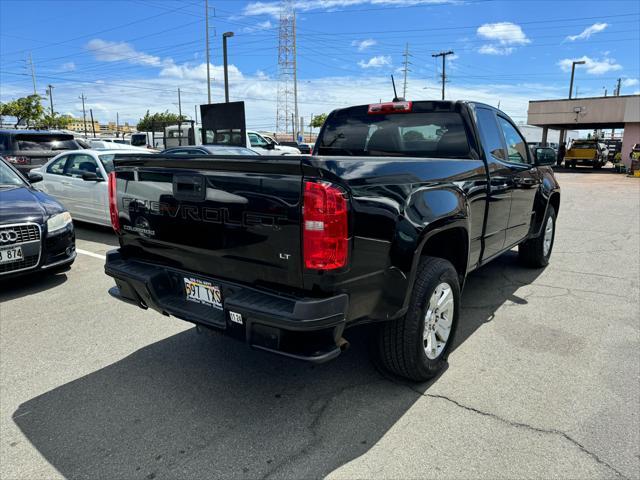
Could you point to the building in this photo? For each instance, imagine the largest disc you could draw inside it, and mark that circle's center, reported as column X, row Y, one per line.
column 595, row 113
column 112, row 128
column 77, row 125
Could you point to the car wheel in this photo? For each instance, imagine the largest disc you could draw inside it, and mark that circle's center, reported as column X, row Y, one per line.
column 536, row 251
column 416, row 346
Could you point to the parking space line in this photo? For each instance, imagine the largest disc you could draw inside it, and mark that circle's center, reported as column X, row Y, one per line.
column 90, row 254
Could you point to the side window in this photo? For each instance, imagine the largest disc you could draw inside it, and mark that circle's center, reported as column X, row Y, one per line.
column 516, row 145
column 57, row 167
column 491, row 136
column 256, row 141
column 80, row 164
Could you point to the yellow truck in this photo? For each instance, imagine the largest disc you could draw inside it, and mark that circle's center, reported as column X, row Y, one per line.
column 586, row 152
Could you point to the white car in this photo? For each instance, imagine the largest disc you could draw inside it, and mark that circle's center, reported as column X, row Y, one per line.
column 78, row 180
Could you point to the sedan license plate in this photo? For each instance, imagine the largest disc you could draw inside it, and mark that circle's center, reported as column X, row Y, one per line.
column 13, row 254
column 203, row 292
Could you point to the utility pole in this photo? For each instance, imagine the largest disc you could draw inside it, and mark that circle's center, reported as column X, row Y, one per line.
column 295, row 75
column 33, row 74
column 618, row 87
column 93, row 125
column 444, row 74
column 226, row 35
column 179, row 105
column 195, row 108
column 573, row 71
column 84, row 114
column 293, row 126
column 117, row 124
column 50, row 92
column 206, row 26
column 406, row 69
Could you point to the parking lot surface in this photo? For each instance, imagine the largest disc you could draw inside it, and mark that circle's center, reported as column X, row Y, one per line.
column 543, row 382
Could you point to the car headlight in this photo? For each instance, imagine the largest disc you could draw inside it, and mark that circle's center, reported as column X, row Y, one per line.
column 58, row 222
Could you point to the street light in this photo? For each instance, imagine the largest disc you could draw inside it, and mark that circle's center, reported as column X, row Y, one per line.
column 573, row 70
column 226, row 35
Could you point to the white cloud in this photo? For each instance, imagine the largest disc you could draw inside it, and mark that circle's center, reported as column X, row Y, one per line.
column 505, row 33
column 495, row 50
column 67, row 67
column 376, row 62
column 199, row 72
column 363, row 44
column 266, row 25
column 274, row 8
column 106, row 51
column 630, row 82
column 587, row 32
column 592, row 66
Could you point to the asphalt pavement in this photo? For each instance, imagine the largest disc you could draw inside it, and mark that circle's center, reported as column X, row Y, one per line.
column 544, row 381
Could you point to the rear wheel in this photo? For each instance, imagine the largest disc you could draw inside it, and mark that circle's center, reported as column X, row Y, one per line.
column 416, row 346
column 536, row 251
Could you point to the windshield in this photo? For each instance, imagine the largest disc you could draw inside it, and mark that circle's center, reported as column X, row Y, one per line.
column 584, row 145
column 353, row 131
column 45, row 142
column 139, row 139
column 8, row 177
column 231, row 151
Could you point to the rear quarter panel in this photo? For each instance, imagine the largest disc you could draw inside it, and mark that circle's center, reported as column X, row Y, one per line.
column 396, row 203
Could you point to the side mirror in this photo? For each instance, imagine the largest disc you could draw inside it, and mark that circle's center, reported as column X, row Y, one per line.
column 34, row 177
column 91, row 177
column 270, row 146
column 545, row 156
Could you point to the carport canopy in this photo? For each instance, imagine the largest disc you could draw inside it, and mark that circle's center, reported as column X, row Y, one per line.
column 590, row 113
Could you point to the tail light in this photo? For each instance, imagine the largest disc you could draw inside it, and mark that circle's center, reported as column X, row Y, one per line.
column 113, row 203
column 325, row 226
column 390, row 107
column 18, row 160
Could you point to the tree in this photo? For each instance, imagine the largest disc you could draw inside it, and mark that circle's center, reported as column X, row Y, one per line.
column 318, row 120
column 53, row 121
column 25, row 109
column 157, row 121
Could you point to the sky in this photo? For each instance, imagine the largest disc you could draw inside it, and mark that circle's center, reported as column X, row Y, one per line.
column 130, row 56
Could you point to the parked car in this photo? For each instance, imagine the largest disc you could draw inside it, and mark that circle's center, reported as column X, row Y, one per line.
column 209, row 150
column 586, row 152
column 78, row 180
column 399, row 202
column 36, row 231
column 27, row 149
column 304, row 148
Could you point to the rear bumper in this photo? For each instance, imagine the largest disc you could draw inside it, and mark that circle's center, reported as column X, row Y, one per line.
column 298, row 327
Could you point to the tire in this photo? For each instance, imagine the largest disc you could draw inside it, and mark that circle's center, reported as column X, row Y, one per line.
column 401, row 344
column 533, row 252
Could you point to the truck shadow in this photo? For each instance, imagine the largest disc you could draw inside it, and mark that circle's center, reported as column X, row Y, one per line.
column 95, row 233
column 195, row 406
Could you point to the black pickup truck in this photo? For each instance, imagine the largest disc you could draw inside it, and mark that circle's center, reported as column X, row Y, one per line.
column 381, row 225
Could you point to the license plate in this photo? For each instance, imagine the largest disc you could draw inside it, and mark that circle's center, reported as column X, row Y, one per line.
column 13, row 254
column 203, row 292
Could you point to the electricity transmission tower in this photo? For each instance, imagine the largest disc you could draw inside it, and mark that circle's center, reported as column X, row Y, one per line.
column 405, row 70
column 287, row 101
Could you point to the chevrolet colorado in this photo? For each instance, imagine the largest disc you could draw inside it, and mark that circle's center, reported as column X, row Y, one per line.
column 381, row 225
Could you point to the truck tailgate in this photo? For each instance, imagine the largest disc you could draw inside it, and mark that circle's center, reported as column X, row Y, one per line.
column 232, row 218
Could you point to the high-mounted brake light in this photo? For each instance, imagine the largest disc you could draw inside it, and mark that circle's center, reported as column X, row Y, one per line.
column 389, row 107
column 325, row 226
column 113, row 203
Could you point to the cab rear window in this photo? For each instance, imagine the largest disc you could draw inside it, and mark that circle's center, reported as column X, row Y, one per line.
column 353, row 131
column 45, row 142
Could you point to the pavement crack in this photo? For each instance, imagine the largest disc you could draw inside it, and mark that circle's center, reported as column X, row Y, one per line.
column 525, row 426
